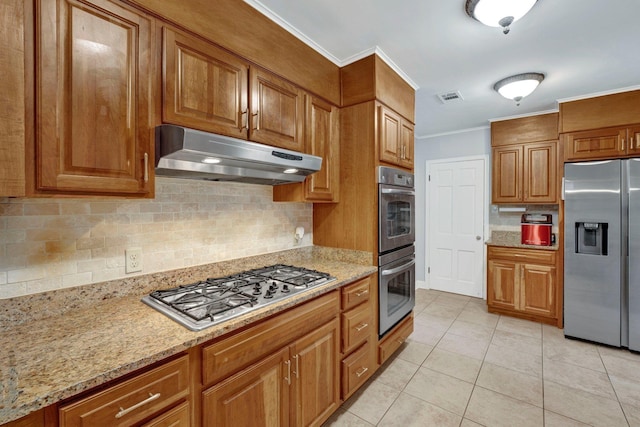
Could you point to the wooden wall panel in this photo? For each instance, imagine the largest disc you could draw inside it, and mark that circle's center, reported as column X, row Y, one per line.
column 618, row 109
column 236, row 26
column 542, row 127
column 352, row 223
column 12, row 97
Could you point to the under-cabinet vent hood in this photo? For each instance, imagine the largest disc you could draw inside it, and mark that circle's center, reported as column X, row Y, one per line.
column 188, row 153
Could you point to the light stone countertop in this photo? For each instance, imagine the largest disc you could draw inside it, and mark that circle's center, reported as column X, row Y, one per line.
column 102, row 337
column 511, row 239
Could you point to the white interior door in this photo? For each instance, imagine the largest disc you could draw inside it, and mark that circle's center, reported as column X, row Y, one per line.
column 455, row 235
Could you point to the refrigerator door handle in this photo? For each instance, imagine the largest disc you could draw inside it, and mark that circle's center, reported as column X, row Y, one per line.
column 562, row 189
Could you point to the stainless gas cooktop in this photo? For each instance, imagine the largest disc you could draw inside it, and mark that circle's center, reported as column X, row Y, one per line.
column 203, row 304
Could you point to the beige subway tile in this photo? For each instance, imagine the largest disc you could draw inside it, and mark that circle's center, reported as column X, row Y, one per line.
column 41, row 209
column 74, row 208
column 43, row 285
column 3, row 278
column 61, row 222
column 13, row 290
column 90, row 265
column 90, row 243
column 77, row 279
column 60, row 246
column 104, row 207
column 25, row 274
column 13, row 236
column 11, row 209
column 42, row 234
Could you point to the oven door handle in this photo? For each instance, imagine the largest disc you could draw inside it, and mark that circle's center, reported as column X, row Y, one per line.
column 398, row 269
column 396, row 191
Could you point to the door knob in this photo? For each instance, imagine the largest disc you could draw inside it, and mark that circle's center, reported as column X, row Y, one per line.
column 478, row 237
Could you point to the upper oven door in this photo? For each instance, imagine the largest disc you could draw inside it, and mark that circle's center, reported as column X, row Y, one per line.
column 397, row 219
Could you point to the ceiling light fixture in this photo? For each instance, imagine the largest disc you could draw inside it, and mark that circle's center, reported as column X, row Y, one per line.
column 518, row 86
column 498, row 13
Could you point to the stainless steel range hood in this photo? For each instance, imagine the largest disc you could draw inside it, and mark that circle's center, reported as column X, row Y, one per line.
column 188, row 153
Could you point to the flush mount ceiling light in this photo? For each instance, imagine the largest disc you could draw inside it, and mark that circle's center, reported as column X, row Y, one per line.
column 498, row 13
column 518, row 86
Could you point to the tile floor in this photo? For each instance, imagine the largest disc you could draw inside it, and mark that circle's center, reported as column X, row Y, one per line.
column 465, row 367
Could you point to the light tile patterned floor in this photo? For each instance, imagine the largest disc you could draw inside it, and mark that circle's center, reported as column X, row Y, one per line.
column 465, row 367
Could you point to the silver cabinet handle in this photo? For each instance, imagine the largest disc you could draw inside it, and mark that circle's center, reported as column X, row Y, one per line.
column 255, row 124
column 361, row 371
column 622, row 148
column 146, row 167
column 638, row 140
column 361, row 326
column 288, row 377
column 295, row 371
column 124, row 412
column 397, row 269
column 244, row 119
column 362, row 292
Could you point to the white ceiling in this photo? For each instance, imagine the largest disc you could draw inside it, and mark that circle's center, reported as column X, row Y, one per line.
column 582, row 46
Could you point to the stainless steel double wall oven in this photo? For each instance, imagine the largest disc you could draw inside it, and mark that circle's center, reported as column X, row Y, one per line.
column 396, row 250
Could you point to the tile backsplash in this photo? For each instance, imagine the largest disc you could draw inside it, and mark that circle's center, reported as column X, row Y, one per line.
column 510, row 221
column 48, row 244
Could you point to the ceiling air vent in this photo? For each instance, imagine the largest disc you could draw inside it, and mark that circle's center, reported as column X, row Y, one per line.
column 449, row 97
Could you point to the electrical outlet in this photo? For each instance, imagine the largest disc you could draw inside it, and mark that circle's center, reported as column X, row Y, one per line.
column 133, row 260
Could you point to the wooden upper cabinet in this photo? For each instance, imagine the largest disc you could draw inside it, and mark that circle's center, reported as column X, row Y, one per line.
column 602, row 143
column 507, row 174
column 395, row 138
column 204, row 87
column 322, row 138
column 539, row 173
column 94, row 79
column 525, row 173
column 277, row 111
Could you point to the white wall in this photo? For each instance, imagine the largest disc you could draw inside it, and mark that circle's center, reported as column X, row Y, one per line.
column 473, row 142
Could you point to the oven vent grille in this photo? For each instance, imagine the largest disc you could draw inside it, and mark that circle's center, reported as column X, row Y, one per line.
column 451, row 96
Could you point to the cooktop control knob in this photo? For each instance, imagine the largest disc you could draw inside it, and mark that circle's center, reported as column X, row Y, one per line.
column 285, row 288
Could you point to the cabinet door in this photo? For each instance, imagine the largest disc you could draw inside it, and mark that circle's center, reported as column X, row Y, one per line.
column 94, row 113
column 277, row 111
column 537, row 289
column 539, row 172
column 315, row 371
column 389, row 135
column 633, row 138
column 204, row 87
column 507, row 174
column 322, row 138
column 502, row 283
column 257, row 396
column 408, row 142
column 595, row 144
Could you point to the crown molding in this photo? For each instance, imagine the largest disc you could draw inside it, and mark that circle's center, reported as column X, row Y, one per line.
column 596, row 94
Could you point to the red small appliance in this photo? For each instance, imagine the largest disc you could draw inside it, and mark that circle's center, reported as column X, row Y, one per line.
column 536, row 229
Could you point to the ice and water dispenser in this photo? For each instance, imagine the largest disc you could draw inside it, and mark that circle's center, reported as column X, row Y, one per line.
column 591, row 238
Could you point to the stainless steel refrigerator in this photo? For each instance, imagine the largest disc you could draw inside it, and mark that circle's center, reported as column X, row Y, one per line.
column 602, row 252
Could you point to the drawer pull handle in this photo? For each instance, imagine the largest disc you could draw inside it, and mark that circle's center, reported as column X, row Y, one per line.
column 362, row 292
column 288, row 377
column 146, row 167
column 295, row 371
column 361, row 326
column 124, row 412
column 361, row 371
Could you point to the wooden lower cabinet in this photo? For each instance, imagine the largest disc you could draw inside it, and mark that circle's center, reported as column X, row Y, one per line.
column 523, row 283
column 298, row 386
column 256, row 396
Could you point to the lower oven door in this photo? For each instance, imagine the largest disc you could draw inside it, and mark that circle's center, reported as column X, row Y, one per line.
column 397, row 291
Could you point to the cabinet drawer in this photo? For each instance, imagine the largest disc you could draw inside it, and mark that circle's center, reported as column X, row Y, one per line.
column 536, row 256
column 395, row 339
column 225, row 357
column 356, row 369
column 356, row 326
column 356, row 293
column 176, row 417
column 122, row 404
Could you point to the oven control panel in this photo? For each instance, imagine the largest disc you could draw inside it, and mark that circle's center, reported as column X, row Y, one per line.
column 393, row 176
